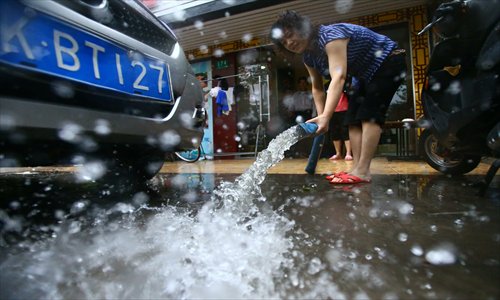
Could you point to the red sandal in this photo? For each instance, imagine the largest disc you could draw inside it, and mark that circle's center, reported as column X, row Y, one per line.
column 338, row 174
column 349, row 179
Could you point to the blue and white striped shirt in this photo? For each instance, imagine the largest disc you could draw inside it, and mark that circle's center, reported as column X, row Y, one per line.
column 366, row 49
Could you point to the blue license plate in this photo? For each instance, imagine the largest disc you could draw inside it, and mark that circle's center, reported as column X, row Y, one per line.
column 33, row 40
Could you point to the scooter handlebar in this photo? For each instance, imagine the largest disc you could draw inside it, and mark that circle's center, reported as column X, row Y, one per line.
column 429, row 26
column 444, row 10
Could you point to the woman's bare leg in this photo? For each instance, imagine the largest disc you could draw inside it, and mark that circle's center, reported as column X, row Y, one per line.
column 370, row 138
column 355, row 134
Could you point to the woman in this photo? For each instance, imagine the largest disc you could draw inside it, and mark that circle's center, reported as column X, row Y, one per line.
column 334, row 50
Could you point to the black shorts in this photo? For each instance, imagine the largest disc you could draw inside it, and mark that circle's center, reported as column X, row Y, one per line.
column 338, row 131
column 370, row 101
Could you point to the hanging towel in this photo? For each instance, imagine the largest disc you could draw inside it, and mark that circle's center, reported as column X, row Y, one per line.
column 230, row 97
column 214, row 91
column 221, row 101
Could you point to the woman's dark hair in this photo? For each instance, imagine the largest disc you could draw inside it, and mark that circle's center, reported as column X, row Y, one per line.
column 221, row 82
column 224, row 84
column 202, row 75
column 290, row 21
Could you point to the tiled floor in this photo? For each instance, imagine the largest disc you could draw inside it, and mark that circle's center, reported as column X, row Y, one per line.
column 380, row 165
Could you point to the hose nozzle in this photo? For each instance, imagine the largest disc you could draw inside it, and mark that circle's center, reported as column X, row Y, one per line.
column 306, row 129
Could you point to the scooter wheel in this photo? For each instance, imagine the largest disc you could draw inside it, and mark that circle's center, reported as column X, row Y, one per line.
column 443, row 159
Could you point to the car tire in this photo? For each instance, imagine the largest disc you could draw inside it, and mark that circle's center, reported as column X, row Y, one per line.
column 442, row 159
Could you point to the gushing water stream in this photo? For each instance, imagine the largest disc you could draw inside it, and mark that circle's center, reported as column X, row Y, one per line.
column 231, row 248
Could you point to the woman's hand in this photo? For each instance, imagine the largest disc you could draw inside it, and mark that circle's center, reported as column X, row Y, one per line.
column 322, row 122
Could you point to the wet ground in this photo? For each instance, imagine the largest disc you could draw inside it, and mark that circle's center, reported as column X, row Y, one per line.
column 400, row 237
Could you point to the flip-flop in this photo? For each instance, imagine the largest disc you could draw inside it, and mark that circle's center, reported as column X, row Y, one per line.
column 337, row 174
column 349, row 179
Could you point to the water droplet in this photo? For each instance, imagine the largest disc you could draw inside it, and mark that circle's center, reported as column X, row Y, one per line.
column 441, row 255
column 436, row 86
column 7, row 121
column 198, row 24
column 70, row 132
column 169, row 139
column 343, row 6
column 247, row 37
column 417, row 250
column 203, row 49
column 405, row 208
column 140, row 198
column 454, row 88
column 102, row 127
column 276, row 33
column 186, row 120
column 180, row 15
column 315, row 266
column 63, row 89
column 78, row 206
column 218, row 52
column 90, row 171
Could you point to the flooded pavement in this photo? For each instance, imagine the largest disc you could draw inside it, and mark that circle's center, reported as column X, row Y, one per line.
column 212, row 236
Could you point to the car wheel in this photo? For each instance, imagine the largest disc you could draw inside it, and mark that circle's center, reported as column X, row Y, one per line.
column 443, row 159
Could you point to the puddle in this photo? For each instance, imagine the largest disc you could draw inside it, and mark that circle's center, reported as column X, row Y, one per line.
column 234, row 246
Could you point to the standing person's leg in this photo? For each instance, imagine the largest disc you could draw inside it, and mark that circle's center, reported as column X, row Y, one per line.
column 353, row 128
column 355, row 141
column 345, row 138
column 334, row 129
column 370, row 137
column 337, row 144
column 348, row 152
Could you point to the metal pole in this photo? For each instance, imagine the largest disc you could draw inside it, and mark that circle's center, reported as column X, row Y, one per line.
column 260, row 99
column 229, row 76
column 257, row 140
column 268, row 99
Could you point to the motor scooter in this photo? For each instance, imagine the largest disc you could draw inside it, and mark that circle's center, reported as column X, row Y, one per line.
column 460, row 96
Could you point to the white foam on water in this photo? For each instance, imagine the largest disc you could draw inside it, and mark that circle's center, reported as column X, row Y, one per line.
column 230, row 248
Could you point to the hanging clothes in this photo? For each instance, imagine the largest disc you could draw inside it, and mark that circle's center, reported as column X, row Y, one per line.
column 221, row 102
column 254, row 94
column 230, row 97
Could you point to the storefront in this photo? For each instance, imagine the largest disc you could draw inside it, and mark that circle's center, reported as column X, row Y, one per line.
column 240, row 129
column 251, row 124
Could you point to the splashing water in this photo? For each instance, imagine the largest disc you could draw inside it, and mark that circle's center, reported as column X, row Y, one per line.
column 247, row 186
column 229, row 249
